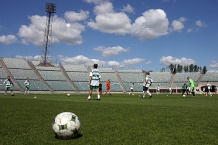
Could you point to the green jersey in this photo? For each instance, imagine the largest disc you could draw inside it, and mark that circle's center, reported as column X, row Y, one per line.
column 8, row 83
column 148, row 81
column 184, row 86
column 192, row 83
column 95, row 75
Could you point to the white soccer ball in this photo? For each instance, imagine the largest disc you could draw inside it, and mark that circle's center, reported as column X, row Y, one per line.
column 68, row 95
column 66, row 125
column 183, row 95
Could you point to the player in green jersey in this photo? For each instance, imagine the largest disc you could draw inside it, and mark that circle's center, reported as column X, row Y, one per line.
column 8, row 86
column 208, row 89
column 192, row 86
column 147, row 84
column 27, row 86
column 94, row 80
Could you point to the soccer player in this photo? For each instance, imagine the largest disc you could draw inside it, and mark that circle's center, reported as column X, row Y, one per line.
column 108, row 87
column 158, row 89
column 27, row 86
column 208, row 89
column 146, row 85
column 192, row 86
column 131, row 89
column 8, row 86
column 184, row 88
column 170, row 90
column 94, row 80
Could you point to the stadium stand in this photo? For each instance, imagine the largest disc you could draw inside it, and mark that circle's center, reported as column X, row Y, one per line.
column 180, row 78
column 74, row 78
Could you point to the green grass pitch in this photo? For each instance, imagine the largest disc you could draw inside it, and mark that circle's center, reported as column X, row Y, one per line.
column 120, row 119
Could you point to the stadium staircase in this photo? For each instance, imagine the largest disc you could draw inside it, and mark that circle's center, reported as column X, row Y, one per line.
column 172, row 79
column 200, row 78
column 68, row 78
column 120, row 81
column 8, row 73
column 39, row 76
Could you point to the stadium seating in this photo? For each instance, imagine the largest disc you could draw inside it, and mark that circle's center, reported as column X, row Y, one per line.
column 60, row 77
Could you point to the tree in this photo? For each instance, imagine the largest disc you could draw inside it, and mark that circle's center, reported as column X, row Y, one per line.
column 171, row 67
column 179, row 68
column 185, row 68
column 191, row 68
column 195, row 68
column 204, row 70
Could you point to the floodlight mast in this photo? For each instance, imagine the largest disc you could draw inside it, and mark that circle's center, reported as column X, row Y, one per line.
column 50, row 9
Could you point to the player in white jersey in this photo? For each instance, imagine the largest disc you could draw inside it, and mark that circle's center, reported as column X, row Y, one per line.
column 94, row 80
column 27, row 86
column 208, row 89
column 170, row 90
column 131, row 89
column 158, row 89
column 146, row 85
column 8, row 86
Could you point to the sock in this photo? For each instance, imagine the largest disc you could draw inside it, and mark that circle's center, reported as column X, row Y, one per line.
column 193, row 93
column 89, row 97
column 149, row 93
column 98, row 96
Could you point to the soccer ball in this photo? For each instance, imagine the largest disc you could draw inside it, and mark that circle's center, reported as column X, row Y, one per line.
column 183, row 95
column 68, row 95
column 66, row 125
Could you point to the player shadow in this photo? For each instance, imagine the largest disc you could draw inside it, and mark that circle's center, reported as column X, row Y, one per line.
column 96, row 99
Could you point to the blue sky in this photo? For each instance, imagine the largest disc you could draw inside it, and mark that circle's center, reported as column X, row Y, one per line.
column 124, row 34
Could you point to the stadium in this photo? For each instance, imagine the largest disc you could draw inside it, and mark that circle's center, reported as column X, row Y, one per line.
column 117, row 119
column 74, row 78
column 117, row 37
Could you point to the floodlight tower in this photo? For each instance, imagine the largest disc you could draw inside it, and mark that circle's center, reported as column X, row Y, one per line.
column 50, row 9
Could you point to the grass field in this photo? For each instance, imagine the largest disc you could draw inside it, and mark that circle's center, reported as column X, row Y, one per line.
column 120, row 119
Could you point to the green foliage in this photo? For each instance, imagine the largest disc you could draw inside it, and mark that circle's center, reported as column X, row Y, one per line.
column 191, row 68
column 115, row 120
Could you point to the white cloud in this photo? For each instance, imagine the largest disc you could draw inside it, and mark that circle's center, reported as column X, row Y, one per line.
column 37, row 57
column 73, row 16
column 108, row 21
column 128, row 9
column 80, row 59
column 116, row 50
column 200, row 24
column 182, row 19
column 69, row 33
column 167, row 60
column 115, row 64
column 178, row 25
column 93, row 1
column 9, row 39
column 103, row 8
column 152, row 24
column 148, row 62
column 214, row 64
column 189, row 30
column 133, row 61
